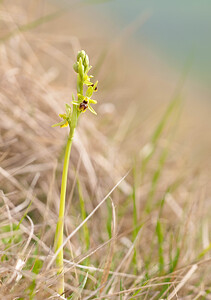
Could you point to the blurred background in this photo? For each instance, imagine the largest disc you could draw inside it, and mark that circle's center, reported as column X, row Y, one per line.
column 173, row 31
column 152, row 49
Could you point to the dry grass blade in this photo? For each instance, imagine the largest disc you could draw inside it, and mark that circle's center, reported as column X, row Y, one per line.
column 31, row 25
column 183, row 281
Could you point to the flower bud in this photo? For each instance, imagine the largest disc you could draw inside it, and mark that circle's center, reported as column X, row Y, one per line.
column 75, row 67
column 81, row 54
column 86, row 60
column 86, row 63
column 81, row 68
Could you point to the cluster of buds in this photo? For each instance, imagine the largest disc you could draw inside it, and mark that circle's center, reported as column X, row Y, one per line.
column 82, row 66
column 83, row 102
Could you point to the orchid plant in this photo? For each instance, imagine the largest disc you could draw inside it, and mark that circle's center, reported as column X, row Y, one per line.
column 70, row 118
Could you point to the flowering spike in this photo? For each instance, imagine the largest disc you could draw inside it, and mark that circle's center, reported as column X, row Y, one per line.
column 70, row 118
column 81, row 67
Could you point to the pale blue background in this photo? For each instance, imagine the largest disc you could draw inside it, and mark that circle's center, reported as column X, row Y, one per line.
column 175, row 30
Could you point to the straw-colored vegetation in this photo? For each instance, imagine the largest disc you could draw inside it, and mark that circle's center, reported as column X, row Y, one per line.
column 137, row 210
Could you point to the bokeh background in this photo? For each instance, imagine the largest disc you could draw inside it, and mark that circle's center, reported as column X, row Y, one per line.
column 153, row 47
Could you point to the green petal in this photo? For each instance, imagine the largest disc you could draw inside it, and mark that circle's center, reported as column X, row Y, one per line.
column 76, row 103
column 95, row 85
column 89, row 69
column 88, row 82
column 89, row 91
column 92, row 110
column 80, row 97
column 59, row 124
column 67, row 106
column 92, row 101
column 68, row 110
column 63, row 116
column 64, row 125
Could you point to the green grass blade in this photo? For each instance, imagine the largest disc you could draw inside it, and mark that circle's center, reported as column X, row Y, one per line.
column 121, row 289
column 160, row 245
column 84, row 215
column 155, row 179
column 174, row 261
column 81, row 288
column 109, row 219
column 205, row 251
column 16, row 227
column 167, row 114
column 159, row 130
column 135, row 222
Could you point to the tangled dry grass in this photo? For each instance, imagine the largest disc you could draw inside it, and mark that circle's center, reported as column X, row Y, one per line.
column 125, row 251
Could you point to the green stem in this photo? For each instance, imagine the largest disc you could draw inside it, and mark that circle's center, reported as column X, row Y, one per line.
column 60, row 223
